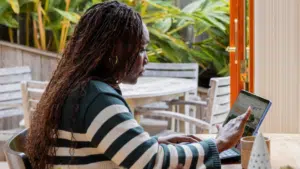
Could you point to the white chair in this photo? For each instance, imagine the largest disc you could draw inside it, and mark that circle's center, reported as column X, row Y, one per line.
column 14, row 151
column 174, row 70
column 202, row 125
column 10, row 96
column 218, row 104
column 213, row 111
column 32, row 92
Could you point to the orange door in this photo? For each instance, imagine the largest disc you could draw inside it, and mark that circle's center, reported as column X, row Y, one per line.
column 241, row 47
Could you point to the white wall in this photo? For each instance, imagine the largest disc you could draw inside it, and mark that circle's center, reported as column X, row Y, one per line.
column 277, row 62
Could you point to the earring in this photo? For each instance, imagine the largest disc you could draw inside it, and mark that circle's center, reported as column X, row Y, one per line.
column 116, row 60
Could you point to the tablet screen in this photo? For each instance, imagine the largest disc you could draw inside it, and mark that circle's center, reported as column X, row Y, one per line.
column 259, row 106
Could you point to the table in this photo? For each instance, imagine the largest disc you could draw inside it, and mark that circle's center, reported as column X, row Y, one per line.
column 154, row 89
column 285, row 150
column 3, row 165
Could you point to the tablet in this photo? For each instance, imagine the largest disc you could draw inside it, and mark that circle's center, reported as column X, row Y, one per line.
column 260, row 107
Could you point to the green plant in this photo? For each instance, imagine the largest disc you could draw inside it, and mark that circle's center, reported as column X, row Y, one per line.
column 52, row 21
column 7, row 14
column 215, row 16
column 58, row 18
column 165, row 22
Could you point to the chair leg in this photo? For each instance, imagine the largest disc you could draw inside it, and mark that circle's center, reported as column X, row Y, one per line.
column 173, row 122
column 192, row 113
column 137, row 117
column 177, row 122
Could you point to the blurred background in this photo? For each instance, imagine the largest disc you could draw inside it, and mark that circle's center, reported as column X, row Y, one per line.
column 254, row 42
column 181, row 31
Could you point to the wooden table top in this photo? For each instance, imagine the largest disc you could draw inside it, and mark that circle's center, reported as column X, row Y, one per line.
column 285, row 150
column 3, row 165
column 157, row 86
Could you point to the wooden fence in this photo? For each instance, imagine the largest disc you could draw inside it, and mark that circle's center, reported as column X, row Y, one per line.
column 42, row 63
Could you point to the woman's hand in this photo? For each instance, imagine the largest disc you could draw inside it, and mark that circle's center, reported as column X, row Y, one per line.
column 180, row 166
column 232, row 132
column 176, row 139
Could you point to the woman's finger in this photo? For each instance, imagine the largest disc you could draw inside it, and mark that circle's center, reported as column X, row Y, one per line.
column 164, row 142
column 181, row 139
column 180, row 166
column 187, row 139
column 218, row 127
column 194, row 137
column 246, row 116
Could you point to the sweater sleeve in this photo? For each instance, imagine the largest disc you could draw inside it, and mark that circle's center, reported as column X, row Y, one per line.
column 112, row 128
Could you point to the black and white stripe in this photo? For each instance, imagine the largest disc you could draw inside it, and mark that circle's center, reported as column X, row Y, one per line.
column 114, row 139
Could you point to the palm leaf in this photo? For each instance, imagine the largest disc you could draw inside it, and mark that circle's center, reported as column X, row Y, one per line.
column 52, row 4
column 96, row 1
column 192, row 7
column 168, row 52
column 71, row 16
column 165, row 7
column 4, row 7
column 24, row 2
column 144, row 7
column 76, row 4
column 176, row 29
column 201, row 27
column 15, row 5
column 163, row 25
column 8, row 20
column 177, row 42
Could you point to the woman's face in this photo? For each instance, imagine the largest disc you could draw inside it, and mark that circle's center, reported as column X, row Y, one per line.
column 142, row 59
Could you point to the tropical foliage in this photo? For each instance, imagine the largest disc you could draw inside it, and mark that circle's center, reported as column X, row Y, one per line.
column 50, row 22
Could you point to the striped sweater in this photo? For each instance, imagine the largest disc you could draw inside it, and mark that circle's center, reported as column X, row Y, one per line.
column 106, row 136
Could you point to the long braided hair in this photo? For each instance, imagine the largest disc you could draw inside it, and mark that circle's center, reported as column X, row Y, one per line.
column 105, row 45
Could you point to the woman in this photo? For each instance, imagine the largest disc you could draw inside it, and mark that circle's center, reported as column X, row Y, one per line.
column 82, row 120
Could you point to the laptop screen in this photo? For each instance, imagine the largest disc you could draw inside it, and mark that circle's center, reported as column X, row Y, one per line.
column 259, row 106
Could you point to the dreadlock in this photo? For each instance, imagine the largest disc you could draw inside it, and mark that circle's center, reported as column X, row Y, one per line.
column 104, row 45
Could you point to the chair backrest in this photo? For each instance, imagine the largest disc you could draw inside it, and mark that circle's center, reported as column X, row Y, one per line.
column 32, row 92
column 218, row 105
column 10, row 95
column 10, row 91
column 175, row 70
column 14, row 152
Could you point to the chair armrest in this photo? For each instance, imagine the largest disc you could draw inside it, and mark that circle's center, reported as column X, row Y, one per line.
column 194, row 98
column 22, row 123
column 187, row 102
column 199, row 123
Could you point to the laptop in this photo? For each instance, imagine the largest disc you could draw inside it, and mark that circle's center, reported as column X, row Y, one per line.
column 260, row 107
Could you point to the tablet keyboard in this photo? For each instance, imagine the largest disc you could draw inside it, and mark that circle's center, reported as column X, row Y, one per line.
column 228, row 153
